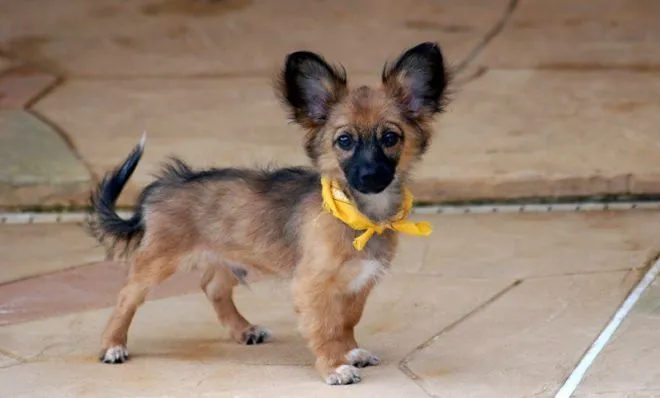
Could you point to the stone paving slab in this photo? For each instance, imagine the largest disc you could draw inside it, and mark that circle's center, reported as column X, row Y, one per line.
column 7, row 361
column 75, row 289
column 195, row 348
column 522, row 133
column 472, row 332
column 207, row 122
column 525, row 343
column 5, row 64
column 30, row 250
column 191, row 380
column 534, row 245
column 22, row 85
column 627, row 367
column 36, row 166
column 579, row 35
column 598, row 138
column 184, row 37
column 534, row 125
column 504, row 249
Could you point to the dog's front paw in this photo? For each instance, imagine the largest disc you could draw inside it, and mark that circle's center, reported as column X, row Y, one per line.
column 114, row 354
column 362, row 358
column 344, row 374
column 255, row 335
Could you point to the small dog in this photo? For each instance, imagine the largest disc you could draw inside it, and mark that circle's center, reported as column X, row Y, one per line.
column 332, row 227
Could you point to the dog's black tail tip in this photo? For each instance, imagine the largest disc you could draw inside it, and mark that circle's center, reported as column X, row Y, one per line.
column 103, row 222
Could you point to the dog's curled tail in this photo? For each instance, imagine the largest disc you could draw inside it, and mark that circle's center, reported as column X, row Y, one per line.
column 103, row 222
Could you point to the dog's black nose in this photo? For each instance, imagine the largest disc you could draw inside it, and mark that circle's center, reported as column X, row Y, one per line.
column 373, row 178
column 368, row 174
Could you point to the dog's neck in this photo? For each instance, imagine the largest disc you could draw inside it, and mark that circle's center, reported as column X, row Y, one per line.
column 381, row 206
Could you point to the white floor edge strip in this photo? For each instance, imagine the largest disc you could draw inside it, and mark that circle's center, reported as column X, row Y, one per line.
column 76, row 217
column 576, row 376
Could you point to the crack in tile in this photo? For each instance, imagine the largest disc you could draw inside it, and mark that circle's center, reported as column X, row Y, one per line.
column 17, row 360
column 488, row 37
column 10, row 354
column 593, row 272
column 629, row 270
column 68, row 141
column 403, row 364
column 45, row 91
column 481, row 70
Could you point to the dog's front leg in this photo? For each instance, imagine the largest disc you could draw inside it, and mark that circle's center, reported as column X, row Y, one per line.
column 328, row 313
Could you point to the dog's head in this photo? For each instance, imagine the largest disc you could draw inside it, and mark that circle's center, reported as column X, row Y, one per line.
column 366, row 137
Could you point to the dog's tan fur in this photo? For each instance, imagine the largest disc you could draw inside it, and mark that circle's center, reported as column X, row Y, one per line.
column 237, row 221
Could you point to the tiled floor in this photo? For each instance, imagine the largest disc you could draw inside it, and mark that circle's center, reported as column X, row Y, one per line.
column 627, row 366
column 459, row 316
column 551, row 98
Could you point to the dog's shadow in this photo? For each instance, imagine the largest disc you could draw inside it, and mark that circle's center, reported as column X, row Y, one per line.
column 285, row 349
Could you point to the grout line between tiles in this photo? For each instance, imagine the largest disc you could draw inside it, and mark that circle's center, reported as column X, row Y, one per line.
column 64, row 135
column 11, row 355
column 489, row 36
column 49, row 217
column 46, row 91
column 403, row 364
column 521, row 277
column 577, row 375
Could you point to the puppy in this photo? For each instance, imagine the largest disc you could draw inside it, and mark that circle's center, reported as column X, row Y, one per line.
column 332, row 227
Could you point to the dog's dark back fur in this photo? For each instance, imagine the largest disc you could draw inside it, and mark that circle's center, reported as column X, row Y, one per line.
column 282, row 188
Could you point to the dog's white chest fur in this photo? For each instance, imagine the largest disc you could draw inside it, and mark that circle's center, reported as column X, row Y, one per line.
column 369, row 270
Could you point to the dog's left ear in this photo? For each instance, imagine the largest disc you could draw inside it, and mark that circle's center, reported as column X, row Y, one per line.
column 418, row 80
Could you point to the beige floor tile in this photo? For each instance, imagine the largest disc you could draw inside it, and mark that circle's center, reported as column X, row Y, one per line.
column 5, row 64
column 7, row 361
column 537, row 244
column 521, row 133
column 180, row 37
column 158, row 379
column 33, row 249
column 37, row 167
column 526, row 342
column 579, row 35
column 20, row 86
column 207, row 122
column 596, row 138
column 412, row 251
column 627, row 394
column 627, row 366
column 73, row 290
column 403, row 312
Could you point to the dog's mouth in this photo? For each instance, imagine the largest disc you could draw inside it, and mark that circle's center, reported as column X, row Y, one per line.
column 370, row 188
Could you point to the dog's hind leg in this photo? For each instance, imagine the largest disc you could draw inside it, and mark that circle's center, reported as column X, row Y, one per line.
column 147, row 272
column 218, row 283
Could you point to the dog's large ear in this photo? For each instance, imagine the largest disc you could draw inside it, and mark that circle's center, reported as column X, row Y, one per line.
column 418, row 80
column 310, row 87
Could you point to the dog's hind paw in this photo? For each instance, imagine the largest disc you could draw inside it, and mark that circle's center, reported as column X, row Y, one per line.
column 114, row 354
column 255, row 335
column 344, row 374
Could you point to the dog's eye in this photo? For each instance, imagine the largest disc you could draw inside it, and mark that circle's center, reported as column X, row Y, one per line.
column 345, row 142
column 389, row 139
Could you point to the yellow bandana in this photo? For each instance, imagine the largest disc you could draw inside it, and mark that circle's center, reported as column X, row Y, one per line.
column 339, row 205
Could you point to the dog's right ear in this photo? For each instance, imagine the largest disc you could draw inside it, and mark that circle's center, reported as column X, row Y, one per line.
column 310, row 87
